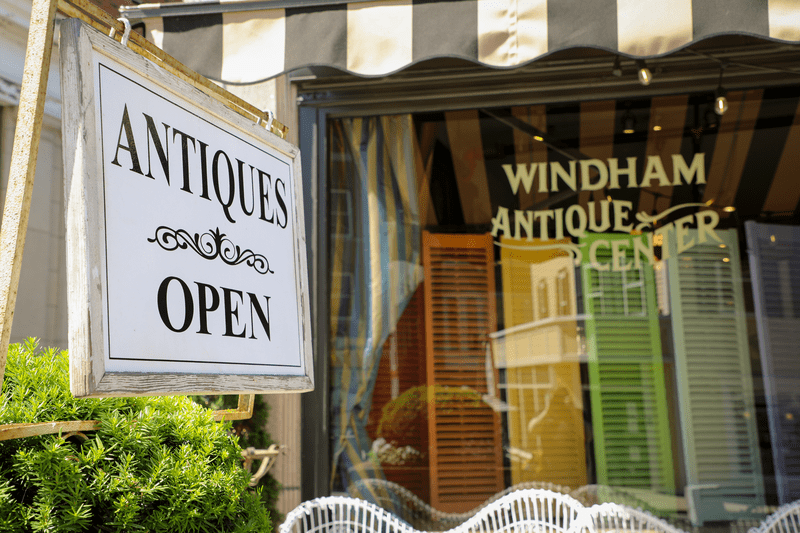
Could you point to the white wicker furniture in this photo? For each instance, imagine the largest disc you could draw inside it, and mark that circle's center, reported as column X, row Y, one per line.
column 529, row 510
column 786, row 519
column 546, row 485
column 420, row 515
column 614, row 517
column 590, row 495
column 339, row 514
column 521, row 511
column 405, row 504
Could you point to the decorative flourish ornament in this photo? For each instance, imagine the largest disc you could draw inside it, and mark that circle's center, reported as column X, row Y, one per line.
column 574, row 250
column 210, row 245
column 646, row 221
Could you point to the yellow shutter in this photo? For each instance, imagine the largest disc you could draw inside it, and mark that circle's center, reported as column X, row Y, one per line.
column 538, row 350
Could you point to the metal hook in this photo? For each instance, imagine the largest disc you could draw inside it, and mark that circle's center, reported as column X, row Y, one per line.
column 125, row 34
column 270, row 119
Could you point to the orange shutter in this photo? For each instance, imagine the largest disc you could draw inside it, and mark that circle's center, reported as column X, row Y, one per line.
column 466, row 465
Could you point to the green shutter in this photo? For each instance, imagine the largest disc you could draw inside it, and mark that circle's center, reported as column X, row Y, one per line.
column 715, row 386
column 626, row 372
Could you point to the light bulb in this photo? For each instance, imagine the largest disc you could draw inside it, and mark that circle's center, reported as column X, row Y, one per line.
column 720, row 102
column 628, row 126
column 628, row 121
column 645, row 76
column 720, row 105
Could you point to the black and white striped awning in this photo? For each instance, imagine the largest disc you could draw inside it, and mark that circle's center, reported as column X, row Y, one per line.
column 247, row 41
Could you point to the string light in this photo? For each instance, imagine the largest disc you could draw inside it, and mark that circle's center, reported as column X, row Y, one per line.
column 656, row 122
column 720, row 103
column 720, row 100
column 645, row 76
column 628, row 122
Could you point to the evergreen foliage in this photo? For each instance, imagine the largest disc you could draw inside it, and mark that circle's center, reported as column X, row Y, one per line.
column 251, row 432
column 157, row 464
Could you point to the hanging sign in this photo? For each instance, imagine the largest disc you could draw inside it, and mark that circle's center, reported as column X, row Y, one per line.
column 185, row 238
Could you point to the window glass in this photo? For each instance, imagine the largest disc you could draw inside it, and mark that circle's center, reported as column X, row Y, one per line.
column 601, row 298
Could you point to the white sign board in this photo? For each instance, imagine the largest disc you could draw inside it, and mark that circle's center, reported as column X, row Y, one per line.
column 185, row 239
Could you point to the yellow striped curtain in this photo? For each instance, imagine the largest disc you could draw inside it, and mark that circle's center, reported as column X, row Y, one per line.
column 375, row 269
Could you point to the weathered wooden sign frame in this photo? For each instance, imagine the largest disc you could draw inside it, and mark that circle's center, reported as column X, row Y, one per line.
column 154, row 257
column 23, row 167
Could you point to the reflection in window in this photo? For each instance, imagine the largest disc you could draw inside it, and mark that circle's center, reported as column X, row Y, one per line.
column 539, row 354
column 659, row 384
column 712, row 358
column 630, row 418
column 542, row 300
column 564, row 291
column 775, row 274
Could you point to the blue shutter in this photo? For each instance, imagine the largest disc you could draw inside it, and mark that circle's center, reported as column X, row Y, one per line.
column 775, row 272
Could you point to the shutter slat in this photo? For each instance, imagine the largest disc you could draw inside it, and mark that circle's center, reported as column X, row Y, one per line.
column 626, row 376
column 775, row 273
column 466, row 451
column 715, row 388
column 542, row 373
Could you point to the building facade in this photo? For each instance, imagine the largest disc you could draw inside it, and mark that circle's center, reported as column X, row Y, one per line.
column 536, row 258
column 42, row 296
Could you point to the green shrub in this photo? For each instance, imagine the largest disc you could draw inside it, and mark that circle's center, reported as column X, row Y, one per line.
column 251, row 432
column 155, row 464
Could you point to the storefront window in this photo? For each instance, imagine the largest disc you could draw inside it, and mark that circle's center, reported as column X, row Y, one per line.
column 601, row 298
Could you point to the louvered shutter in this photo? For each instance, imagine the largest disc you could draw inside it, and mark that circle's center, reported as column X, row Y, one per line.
column 629, row 409
column 715, row 387
column 464, row 432
column 398, row 419
column 775, row 272
column 539, row 351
